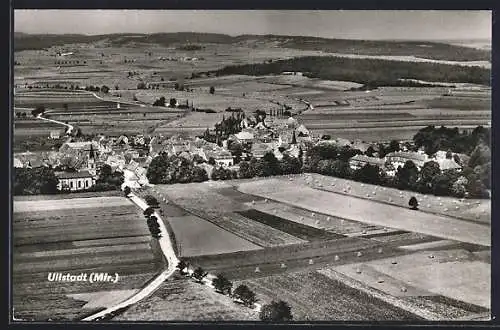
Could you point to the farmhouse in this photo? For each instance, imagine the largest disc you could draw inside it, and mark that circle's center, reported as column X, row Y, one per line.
column 400, row 158
column 75, row 181
column 358, row 161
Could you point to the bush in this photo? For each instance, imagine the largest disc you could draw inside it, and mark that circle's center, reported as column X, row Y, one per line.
column 127, row 191
column 413, row 203
column 276, row 312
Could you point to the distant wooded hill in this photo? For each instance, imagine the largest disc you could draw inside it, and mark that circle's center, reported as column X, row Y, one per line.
column 431, row 50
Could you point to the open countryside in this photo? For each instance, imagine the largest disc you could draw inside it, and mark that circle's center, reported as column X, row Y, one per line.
column 208, row 177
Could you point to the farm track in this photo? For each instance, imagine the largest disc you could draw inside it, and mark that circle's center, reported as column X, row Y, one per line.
column 169, row 254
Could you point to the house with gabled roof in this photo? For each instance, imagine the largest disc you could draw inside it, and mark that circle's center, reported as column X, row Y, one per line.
column 75, row 181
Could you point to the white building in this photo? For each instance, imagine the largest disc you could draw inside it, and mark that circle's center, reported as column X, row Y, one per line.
column 358, row 161
column 75, row 181
column 400, row 158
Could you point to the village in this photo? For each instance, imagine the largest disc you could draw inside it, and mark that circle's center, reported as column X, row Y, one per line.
column 77, row 162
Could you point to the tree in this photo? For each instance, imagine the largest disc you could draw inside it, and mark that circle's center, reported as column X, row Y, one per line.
column 276, row 312
column 38, row 110
column 127, row 191
column 105, row 89
column 141, row 85
column 154, row 227
column 370, row 151
column 271, row 165
column 244, row 171
column 148, row 212
column 393, row 146
column 211, row 161
column 371, row 174
column 182, row 265
column 18, row 114
column 413, row 203
column 290, row 165
column 151, row 201
column 199, row 274
column 427, row 173
column 407, row 176
column 173, row 102
column 243, row 293
column 34, row 181
column 459, row 187
column 212, row 89
column 222, row 284
column 159, row 102
column 442, row 183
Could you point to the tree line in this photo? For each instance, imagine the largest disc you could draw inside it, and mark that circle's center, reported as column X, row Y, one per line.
column 275, row 311
column 370, row 72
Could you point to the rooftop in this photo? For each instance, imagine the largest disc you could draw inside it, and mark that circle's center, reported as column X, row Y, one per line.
column 74, row 175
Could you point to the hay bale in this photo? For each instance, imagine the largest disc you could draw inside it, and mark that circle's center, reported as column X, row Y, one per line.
column 283, row 265
column 359, row 254
column 337, row 258
column 403, row 289
column 257, row 269
column 311, row 262
column 380, row 250
column 358, row 270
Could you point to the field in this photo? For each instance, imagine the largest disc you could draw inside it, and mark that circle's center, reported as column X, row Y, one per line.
column 478, row 210
column 368, row 211
column 122, row 66
column 196, row 236
column 78, row 235
column 185, row 300
column 314, row 296
column 219, row 203
column 456, row 276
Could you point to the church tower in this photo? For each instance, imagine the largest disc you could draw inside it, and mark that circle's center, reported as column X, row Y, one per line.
column 91, row 162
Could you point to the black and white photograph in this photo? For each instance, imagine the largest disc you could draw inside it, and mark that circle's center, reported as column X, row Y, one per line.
column 251, row 165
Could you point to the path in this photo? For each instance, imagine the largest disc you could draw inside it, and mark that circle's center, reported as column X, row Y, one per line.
column 172, row 261
column 70, row 127
column 117, row 101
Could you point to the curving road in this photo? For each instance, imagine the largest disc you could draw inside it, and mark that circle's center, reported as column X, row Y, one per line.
column 70, row 127
column 168, row 252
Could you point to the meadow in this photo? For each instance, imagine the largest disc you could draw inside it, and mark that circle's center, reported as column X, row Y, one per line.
column 78, row 235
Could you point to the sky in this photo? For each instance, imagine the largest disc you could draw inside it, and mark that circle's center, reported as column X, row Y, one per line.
column 349, row 24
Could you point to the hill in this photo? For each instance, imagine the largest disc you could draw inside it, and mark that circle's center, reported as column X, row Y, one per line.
column 431, row 50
